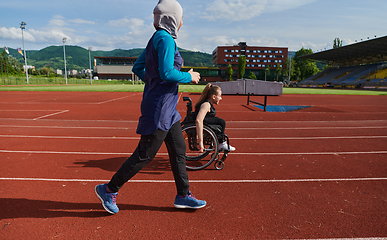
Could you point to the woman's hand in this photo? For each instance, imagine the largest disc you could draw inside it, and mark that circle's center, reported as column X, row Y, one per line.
column 195, row 76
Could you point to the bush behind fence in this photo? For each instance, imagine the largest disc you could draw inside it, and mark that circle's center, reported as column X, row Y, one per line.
column 12, row 80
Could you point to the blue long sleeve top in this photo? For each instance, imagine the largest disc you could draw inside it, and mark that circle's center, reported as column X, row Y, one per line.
column 159, row 67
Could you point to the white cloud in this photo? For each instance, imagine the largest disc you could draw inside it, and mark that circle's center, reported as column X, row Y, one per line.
column 49, row 36
column 238, row 10
column 282, row 5
column 60, row 21
column 10, row 33
column 57, row 20
column 125, row 22
column 315, row 47
column 81, row 21
column 15, row 33
column 139, row 32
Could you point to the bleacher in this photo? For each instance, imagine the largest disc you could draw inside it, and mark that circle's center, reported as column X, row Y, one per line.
column 353, row 76
column 362, row 65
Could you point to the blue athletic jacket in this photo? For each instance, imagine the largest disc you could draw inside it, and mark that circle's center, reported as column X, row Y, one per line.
column 159, row 67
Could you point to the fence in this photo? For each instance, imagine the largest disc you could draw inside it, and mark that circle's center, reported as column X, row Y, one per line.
column 19, row 80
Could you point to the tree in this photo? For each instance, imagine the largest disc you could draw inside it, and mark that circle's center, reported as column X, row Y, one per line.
column 47, row 71
column 241, row 66
column 14, row 66
column 303, row 68
column 289, row 64
column 252, row 76
column 229, row 72
column 3, row 63
column 278, row 70
column 9, row 65
column 337, row 43
column 267, row 71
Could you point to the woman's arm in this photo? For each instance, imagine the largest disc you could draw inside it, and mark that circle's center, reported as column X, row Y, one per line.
column 166, row 48
column 204, row 109
column 139, row 66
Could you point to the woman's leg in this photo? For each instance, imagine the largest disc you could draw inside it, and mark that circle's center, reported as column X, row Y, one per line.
column 144, row 153
column 176, row 149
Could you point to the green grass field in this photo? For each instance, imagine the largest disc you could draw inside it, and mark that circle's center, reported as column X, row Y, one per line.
column 183, row 88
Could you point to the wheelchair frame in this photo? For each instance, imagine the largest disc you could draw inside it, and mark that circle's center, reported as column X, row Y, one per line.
column 194, row 159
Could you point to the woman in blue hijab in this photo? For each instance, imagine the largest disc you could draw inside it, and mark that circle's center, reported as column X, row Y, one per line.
column 159, row 67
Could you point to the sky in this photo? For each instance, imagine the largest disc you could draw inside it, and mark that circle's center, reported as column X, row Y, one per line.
column 127, row 24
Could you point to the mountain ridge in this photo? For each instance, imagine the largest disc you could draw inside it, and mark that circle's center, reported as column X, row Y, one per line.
column 78, row 57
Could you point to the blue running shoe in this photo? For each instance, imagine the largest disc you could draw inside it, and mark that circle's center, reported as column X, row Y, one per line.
column 189, row 201
column 108, row 199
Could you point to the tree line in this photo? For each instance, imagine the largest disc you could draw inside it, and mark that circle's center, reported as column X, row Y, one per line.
column 47, row 60
column 300, row 69
column 50, row 58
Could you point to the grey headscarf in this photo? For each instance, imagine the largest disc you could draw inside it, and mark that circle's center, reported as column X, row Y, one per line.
column 167, row 16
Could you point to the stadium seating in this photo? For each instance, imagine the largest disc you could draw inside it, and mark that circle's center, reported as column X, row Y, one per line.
column 353, row 76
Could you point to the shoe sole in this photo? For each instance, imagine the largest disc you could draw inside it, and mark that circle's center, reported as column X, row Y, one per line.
column 102, row 201
column 185, row 206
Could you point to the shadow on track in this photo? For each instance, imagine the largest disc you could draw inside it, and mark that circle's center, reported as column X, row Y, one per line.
column 12, row 208
column 156, row 167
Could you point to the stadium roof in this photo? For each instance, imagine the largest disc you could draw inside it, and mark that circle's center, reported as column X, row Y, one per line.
column 117, row 60
column 369, row 51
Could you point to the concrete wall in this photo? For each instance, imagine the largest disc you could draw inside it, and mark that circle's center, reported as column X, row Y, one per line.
column 113, row 69
column 249, row 86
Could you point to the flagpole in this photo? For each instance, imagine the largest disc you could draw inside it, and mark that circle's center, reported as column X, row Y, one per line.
column 23, row 26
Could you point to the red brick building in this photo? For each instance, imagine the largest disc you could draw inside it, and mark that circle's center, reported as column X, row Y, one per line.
column 256, row 58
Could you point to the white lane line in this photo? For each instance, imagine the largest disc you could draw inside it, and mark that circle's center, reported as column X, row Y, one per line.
column 228, row 121
column 48, row 110
column 311, row 153
column 308, row 138
column 49, row 115
column 70, row 137
column 232, row 153
column 111, row 100
column 75, row 153
column 239, row 129
column 70, row 120
column 66, row 127
column 202, row 181
column 306, row 128
column 307, row 121
column 367, row 238
column 257, row 138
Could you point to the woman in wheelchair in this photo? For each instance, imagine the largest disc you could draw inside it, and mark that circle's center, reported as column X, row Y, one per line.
column 205, row 113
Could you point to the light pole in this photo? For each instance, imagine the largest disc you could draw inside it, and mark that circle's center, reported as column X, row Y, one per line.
column 23, row 26
column 290, row 65
column 64, row 54
column 91, row 80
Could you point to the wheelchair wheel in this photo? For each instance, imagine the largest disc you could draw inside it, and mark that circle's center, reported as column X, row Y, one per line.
column 196, row 160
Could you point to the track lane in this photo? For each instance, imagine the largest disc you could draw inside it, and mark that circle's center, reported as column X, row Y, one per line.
column 337, row 196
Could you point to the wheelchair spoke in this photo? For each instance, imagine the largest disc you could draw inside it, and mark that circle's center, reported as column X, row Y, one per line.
column 196, row 160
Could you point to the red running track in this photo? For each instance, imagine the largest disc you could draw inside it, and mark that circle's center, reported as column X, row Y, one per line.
column 320, row 172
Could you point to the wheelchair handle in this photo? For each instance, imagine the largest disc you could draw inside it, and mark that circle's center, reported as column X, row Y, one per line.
column 187, row 99
column 189, row 108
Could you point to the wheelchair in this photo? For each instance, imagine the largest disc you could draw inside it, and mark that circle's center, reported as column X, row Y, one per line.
column 196, row 160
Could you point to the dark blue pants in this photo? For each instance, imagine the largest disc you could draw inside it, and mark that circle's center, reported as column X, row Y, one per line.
column 146, row 151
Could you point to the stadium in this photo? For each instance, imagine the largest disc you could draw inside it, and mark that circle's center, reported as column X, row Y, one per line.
column 361, row 65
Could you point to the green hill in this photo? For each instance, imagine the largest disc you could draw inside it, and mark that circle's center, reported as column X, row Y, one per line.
column 78, row 57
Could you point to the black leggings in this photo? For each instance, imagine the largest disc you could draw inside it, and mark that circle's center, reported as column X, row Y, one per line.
column 146, row 151
column 217, row 121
